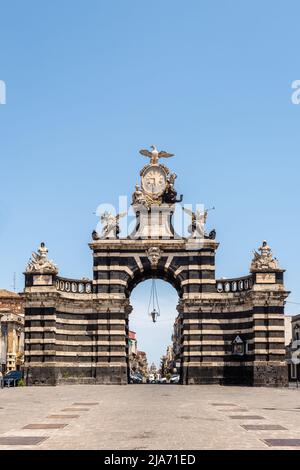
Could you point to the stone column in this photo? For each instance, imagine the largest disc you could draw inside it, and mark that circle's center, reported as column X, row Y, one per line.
column 269, row 368
column 268, row 297
column 111, row 358
column 40, row 296
column 202, row 355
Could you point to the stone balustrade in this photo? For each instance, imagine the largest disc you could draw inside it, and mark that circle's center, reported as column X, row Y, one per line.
column 75, row 286
column 235, row 285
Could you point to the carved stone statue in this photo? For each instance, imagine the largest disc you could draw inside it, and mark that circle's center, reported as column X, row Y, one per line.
column 170, row 194
column 110, row 224
column 155, row 155
column 172, row 178
column 154, row 254
column 39, row 262
column 197, row 227
column 264, row 261
column 138, row 196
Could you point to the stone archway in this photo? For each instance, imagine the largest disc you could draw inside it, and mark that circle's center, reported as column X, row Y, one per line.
column 120, row 265
column 232, row 331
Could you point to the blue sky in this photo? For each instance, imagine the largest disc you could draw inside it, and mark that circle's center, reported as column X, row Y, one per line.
column 90, row 83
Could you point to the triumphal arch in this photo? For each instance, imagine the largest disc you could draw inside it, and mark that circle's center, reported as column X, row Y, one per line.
column 231, row 330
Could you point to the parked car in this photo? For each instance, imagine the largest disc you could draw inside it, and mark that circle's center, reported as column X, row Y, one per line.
column 175, row 379
column 138, row 374
column 151, row 379
column 136, row 378
column 11, row 378
column 162, row 380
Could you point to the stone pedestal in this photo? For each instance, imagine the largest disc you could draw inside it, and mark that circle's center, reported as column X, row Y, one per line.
column 155, row 222
column 37, row 375
column 270, row 374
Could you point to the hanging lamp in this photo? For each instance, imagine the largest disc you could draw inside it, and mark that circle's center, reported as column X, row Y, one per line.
column 153, row 307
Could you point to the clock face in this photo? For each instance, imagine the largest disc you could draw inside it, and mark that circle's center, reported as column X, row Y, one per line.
column 154, row 180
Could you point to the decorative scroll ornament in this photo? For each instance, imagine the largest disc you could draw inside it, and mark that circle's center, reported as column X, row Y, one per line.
column 39, row 262
column 154, row 254
column 264, row 261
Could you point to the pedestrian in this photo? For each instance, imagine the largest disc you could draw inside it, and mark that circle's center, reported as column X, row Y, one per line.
column 1, row 380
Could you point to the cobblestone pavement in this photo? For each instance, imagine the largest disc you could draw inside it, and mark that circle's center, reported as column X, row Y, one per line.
column 149, row 417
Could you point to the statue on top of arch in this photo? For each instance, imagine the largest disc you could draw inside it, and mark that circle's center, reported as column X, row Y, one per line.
column 264, row 261
column 157, row 183
column 39, row 262
column 198, row 221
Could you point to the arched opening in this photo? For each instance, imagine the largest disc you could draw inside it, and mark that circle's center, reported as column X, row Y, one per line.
column 153, row 348
column 157, row 272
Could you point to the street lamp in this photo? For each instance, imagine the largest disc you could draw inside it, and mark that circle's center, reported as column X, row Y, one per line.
column 154, row 314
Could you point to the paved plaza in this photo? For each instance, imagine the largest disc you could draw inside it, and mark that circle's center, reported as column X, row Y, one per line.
column 149, row 417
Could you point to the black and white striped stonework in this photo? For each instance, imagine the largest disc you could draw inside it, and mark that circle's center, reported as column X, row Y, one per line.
column 76, row 331
column 119, row 272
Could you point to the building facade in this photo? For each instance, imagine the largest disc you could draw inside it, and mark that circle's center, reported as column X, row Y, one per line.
column 141, row 364
column 132, row 343
column 11, row 331
column 293, row 347
column 137, row 359
column 167, row 364
column 231, row 330
column 176, row 342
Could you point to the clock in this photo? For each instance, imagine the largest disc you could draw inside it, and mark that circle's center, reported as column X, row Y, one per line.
column 154, row 180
